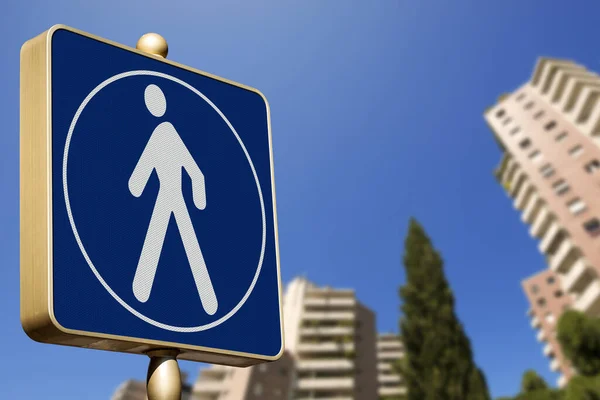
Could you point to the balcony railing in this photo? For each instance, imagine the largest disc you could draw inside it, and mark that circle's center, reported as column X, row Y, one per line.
column 577, row 278
column 589, row 301
column 341, row 364
column 325, row 383
column 535, row 323
column 328, row 316
column 540, row 224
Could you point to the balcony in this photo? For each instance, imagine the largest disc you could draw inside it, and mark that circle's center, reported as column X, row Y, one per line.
column 389, row 379
column 530, row 312
column 390, row 355
column 561, row 382
column 555, row 365
column 535, row 323
column 519, row 182
column 541, row 223
column 325, row 383
column 390, row 345
column 564, row 257
column 315, row 292
column 541, row 336
column 531, row 209
column 384, row 367
column 577, row 278
column 524, row 195
column 330, row 302
column 328, row 331
column 549, row 237
column 329, row 316
column 326, row 365
column 548, row 352
column 326, row 347
column 589, row 301
column 393, row 391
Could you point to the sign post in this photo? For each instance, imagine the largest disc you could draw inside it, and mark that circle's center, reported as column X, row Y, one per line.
column 148, row 214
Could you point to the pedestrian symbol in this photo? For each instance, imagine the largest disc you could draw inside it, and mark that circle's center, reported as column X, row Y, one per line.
column 166, row 153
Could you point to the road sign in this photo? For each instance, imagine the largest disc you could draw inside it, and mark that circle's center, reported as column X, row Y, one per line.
column 147, row 205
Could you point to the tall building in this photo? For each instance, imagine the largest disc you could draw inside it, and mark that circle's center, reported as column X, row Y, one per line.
column 330, row 341
column 549, row 132
column 390, row 350
column 547, row 299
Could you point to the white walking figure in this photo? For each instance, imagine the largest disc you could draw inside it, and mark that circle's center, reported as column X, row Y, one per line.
column 166, row 153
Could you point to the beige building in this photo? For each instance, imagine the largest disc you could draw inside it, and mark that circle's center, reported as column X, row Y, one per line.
column 330, row 341
column 390, row 350
column 547, row 298
column 549, row 132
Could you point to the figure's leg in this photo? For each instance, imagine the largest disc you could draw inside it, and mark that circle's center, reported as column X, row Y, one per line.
column 146, row 269
column 196, row 260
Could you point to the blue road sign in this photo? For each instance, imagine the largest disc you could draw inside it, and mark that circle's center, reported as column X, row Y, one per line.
column 163, row 224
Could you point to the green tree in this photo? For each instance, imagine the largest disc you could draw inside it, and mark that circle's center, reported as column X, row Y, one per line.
column 579, row 337
column 532, row 381
column 583, row 388
column 439, row 361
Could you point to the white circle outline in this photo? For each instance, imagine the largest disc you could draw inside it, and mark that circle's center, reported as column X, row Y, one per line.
column 76, row 233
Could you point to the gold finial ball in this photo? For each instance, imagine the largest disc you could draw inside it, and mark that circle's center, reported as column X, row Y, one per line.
column 153, row 43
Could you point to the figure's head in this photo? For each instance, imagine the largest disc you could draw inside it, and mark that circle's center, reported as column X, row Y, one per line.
column 155, row 100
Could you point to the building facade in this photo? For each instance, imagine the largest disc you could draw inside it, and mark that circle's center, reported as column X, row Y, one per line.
column 548, row 301
column 549, row 132
column 330, row 341
column 390, row 350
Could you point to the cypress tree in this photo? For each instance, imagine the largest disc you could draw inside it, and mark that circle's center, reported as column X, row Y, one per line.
column 439, row 362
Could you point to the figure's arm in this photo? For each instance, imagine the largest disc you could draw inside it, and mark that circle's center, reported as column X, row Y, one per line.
column 198, row 184
column 141, row 173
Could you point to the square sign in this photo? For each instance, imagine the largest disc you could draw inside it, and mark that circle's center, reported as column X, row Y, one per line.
column 148, row 214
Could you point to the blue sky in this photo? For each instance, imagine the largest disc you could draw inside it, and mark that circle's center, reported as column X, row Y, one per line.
column 376, row 115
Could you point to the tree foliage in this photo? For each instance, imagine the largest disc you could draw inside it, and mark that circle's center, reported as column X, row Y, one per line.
column 579, row 337
column 532, row 381
column 439, row 361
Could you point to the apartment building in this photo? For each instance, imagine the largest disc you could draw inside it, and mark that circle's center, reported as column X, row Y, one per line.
column 547, row 298
column 549, row 132
column 390, row 351
column 330, row 341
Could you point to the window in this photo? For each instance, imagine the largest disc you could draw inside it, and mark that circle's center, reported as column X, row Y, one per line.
column 515, row 130
column 592, row 227
column 534, row 289
column 529, row 105
column 576, row 151
column 561, row 136
column 541, row 302
column 547, row 171
column 525, row 143
column 536, row 156
column 550, row 125
column 507, row 121
column 561, row 187
column 500, row 113
column 520, row 97
column 592, row 166
column 550, row 318
column 538, row 114
column 550, row 280
column 558, row 293
column 576, row 206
